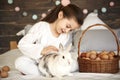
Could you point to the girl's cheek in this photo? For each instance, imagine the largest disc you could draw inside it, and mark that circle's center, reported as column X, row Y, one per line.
column 59, row 30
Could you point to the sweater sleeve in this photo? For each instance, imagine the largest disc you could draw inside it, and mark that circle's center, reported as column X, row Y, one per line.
column 28, row 45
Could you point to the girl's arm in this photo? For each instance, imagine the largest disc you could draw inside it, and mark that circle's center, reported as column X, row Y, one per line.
column 28, row 45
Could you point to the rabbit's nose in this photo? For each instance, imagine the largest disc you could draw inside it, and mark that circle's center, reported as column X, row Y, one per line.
column 68, row 62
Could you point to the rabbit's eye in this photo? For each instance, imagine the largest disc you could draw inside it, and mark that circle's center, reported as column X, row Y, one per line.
column 63, row 57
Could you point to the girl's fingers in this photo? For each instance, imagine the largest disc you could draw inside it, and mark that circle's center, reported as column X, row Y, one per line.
column 49, row 49
column 53, row 48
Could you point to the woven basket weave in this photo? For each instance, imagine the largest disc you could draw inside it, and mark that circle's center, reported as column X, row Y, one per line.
column 98, row 66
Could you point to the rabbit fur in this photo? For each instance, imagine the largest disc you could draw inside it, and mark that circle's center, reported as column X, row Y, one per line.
column 56, row 64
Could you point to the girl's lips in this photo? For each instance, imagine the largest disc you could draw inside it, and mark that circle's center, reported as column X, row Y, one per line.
column 62, row 30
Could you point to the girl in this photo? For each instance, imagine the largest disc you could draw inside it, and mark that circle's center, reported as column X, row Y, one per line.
column 46, row 35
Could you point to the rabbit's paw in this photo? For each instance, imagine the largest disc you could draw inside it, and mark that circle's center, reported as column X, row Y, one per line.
column 70, row 74
column 60, row 77
column 48, row 75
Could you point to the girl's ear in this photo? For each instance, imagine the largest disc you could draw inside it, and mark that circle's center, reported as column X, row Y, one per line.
column 60, row 15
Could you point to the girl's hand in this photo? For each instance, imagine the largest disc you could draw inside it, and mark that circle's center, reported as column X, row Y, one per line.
column 49, row 49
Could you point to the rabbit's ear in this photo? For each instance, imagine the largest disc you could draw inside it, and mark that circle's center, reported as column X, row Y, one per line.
column 60, row 47
column 69, row 47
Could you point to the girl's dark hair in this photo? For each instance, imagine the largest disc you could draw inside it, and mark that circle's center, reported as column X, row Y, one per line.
column 69, row 11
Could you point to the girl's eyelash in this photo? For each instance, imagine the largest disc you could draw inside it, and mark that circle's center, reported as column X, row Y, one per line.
column 68, row 26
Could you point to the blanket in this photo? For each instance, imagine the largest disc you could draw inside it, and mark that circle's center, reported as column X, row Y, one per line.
column 9, row 57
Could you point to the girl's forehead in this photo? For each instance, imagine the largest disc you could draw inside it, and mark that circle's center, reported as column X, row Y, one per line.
column 73, row 23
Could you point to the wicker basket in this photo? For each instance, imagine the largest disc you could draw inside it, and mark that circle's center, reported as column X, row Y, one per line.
column 98, row 66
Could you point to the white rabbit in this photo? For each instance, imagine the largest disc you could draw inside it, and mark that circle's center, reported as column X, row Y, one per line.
column 56, row 64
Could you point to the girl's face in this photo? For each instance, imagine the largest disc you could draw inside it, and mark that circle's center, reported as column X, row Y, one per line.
column 65, row 25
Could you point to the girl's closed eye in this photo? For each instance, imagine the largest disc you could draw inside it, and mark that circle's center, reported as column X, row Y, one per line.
column 69, row 27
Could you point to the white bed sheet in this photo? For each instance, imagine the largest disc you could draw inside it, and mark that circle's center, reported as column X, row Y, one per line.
column 9, row 57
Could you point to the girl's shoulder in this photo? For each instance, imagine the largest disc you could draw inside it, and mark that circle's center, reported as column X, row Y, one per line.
column 41, row 25
column 43, row 22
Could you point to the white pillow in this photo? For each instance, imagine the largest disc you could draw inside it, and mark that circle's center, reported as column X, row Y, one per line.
column 24, row 31
column 96, row 38
column 92, row 18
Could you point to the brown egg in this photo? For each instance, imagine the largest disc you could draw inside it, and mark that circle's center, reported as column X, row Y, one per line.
column 88, row 54
column 98, row 58
column 93, row 52
column 104, row 57
column 87, row 58
column 6, row 68
column 4, row 74
column 111, row 56
column 104, row 52
column 112, row 53
column 93, row 56
column 83, row 55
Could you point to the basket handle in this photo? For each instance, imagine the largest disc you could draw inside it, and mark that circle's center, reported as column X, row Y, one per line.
column 96, row 25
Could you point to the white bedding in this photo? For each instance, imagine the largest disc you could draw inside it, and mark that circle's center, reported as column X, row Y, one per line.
column 9, row 57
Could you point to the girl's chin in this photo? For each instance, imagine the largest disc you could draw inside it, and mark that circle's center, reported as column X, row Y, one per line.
column 59, row 32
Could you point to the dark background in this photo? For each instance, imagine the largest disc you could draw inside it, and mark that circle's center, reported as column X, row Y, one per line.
column 12, row 21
